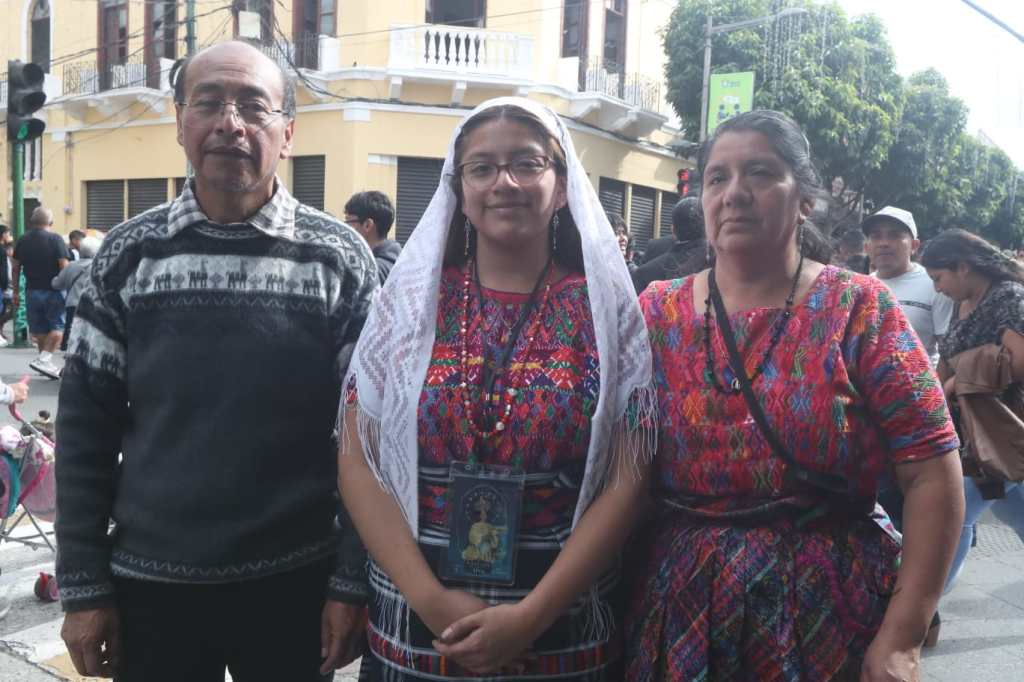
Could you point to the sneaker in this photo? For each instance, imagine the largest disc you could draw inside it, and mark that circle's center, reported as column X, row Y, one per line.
column 4, row 342
column 46, row 368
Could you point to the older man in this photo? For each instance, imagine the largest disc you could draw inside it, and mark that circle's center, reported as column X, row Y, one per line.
column 197, row 412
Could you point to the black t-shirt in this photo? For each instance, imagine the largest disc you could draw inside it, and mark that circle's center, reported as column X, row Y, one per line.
column 38, row 252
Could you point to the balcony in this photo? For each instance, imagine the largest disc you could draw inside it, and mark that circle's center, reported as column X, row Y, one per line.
column 439, row 53
column 610, row 79
column 625, row 103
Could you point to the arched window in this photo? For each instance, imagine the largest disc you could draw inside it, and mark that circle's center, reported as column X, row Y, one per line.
column 39, row 34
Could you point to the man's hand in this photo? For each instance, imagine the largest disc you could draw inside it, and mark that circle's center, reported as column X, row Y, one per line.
column 342, row 628
column 489, row 640
column 448, row 606
column 93, row 638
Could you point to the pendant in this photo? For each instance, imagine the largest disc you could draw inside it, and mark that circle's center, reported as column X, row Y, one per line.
column 736, row 385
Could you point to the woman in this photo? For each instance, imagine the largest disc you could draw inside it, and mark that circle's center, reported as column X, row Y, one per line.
column 768, row 559
column 988, row 289
column 505, row 357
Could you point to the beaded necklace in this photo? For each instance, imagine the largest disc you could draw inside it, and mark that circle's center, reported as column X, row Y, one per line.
column 511, row 391
column 779, row 326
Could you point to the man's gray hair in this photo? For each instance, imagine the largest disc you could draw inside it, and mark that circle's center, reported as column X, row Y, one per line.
column 43, row 217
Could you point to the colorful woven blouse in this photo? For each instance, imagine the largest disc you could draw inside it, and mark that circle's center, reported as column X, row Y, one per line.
column 727, row 587
column 550, row 429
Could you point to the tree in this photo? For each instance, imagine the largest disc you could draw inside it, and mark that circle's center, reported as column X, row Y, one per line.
column 836, row 77
column 918, row 172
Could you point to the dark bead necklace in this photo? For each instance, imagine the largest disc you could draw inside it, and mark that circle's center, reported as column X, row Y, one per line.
column 781, row 320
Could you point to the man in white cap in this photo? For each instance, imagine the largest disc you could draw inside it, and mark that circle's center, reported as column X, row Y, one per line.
column 891, row 242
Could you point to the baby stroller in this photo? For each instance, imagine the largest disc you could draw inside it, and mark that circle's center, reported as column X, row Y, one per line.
column 28, row 486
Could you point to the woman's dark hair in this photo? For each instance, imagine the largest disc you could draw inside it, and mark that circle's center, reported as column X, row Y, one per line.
column 569, row 253
column 789, row 142
column 953, row 247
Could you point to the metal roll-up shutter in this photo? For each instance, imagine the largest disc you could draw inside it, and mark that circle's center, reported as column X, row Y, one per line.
column 179, row 186
column 104, row 203
column 641, row 217
column 145, row 194
column 668, row 202
column 308, row 180
column 612, row 194
column 417, row 181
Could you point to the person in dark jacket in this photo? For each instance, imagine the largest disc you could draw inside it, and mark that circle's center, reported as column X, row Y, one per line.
column 687, row 256
column 371, row 215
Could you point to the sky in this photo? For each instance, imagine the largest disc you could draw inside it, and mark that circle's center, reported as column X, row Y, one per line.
column 982, row 62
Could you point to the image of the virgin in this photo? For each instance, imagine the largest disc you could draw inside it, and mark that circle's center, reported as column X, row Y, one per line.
column 484, row 538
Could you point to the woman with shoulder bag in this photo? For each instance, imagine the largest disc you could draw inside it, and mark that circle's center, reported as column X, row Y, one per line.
column 786, row 387
column 988, row 288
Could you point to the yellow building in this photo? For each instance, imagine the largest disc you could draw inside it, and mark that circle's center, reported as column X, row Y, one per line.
column 382, row 84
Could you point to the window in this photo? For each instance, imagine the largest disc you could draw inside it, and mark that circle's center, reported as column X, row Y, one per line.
column 145, row 194
column 161, row 37
column 265, row 10
column 417, row 181
column 612, row 194
column 641, row 217
column 470, row 13
column 113, row 39
column 104, row 203
column 40, row 34
column 668, row 202
column 312, row 19
column 615, row 34
column 308, row 180
column 574, row 27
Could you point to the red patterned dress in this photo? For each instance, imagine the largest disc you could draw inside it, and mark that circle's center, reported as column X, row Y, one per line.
column 740, row 578
column 550, row 429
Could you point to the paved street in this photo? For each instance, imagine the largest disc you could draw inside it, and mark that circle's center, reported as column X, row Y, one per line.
column 983, row 617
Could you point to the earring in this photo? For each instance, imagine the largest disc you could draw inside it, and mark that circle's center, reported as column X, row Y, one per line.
column 800, row 236
column 554, row 233
column 467, row 229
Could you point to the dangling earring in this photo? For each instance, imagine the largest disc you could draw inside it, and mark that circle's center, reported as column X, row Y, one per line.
column 468, row 230
column 800, row 231
column 554, row 233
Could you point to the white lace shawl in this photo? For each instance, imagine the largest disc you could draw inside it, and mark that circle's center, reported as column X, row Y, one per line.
column 392, row 355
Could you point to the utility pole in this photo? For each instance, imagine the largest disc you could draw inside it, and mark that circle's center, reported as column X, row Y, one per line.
column 190, row 26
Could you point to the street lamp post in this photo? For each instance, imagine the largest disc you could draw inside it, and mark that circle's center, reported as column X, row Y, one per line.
column 710, row 30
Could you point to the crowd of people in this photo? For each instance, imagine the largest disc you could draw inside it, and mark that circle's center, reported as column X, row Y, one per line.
column 511, row 449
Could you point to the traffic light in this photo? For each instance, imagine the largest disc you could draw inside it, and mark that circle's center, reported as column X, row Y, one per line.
column 25, row 96
column 683, row 182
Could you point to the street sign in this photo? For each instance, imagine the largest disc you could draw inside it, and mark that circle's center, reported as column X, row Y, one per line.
column 731, row 94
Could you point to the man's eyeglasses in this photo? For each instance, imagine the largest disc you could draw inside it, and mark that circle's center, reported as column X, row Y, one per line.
column 251, row 112
column 524, row 171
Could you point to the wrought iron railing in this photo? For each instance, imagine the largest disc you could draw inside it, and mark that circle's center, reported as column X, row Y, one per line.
column 93, row 77
column 610, row 78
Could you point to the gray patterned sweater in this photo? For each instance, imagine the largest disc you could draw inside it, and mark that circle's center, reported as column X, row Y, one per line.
column 209, row 357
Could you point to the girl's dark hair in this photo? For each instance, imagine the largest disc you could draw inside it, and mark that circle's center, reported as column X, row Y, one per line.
column 953, row 247
column 569, row 253
column 791, row 145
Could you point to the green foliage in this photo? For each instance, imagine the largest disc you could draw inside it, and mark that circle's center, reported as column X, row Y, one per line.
column 876, row 138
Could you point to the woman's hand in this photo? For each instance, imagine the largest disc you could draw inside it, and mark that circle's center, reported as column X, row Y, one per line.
column 888, row 661
column 489, row 640
column 19, row 391
column 446, row 606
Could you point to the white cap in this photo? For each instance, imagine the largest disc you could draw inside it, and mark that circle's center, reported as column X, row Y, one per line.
column 904, row 218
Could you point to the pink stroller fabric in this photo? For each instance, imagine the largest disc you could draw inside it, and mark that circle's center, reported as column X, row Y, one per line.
column 33, row 459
